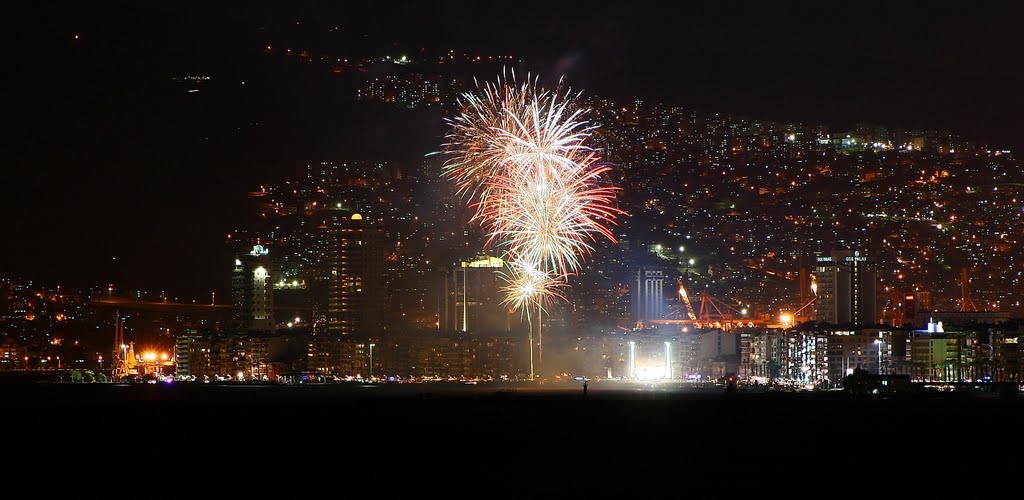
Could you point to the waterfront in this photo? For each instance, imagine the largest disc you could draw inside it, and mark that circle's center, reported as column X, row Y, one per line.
column 305, row 432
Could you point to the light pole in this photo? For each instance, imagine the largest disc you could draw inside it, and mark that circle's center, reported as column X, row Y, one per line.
column 878, row 343
column 371, row 361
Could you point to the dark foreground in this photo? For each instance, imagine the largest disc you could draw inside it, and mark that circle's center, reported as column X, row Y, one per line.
column 456, row 430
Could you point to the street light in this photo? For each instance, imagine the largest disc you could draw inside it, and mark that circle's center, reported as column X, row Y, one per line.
column 786, row 319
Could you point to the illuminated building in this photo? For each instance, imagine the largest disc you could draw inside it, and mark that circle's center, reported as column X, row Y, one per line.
column 210, row 356
column 820, row 358
column 1008, row 357
column 356, row 295
column 183, row 353
column 789, row 356
column 252, row 291
column 936, row 356
column 473, row 298
column 660, row 370
column 409, row 90
column 762, row 355
column 653, row 354
column 417, row 355
column 13, row 357
column 964, row 318
column 708, row 354
column 869, row 350
column 846, row 288
column 649, row 295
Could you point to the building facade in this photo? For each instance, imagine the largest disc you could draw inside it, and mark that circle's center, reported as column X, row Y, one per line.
column 252, row 291
column 473, row 298
column 846, row 288
column 357, row 291
column 649, row 295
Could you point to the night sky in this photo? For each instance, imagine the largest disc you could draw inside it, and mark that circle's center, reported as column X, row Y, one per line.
column 111, row 158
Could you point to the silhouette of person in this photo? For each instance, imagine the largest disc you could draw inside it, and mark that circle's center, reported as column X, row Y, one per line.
column 584, row 388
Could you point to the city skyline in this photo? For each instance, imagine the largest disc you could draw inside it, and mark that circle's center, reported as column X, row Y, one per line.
column 327, row 180
column 141, row 151
column 766, row 244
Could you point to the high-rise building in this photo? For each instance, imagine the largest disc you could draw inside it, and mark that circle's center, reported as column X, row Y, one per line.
column 182, row 353
column 356, row 295
column 252, row 291
column 649, row 295
column 473, row 298
column 846, row 288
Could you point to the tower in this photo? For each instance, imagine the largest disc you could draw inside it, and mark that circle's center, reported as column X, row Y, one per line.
column 252, row 291
column 649, row 295
column 846, row 288
column 356, row 293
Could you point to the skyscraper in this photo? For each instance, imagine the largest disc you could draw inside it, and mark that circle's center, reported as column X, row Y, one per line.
column 252, row 291
column 846, row 288
column 473, row 297
column 356, row 292
column 649, row 295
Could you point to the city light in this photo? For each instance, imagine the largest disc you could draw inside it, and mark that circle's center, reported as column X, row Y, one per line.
column 650, row 373
column 786, row 320
column 826, row 242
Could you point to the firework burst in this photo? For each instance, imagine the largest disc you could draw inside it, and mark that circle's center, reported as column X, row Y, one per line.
column 518, row 154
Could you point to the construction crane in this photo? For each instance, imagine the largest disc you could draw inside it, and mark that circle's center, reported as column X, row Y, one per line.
column 712, row 313
column 686, row 300
column 966, row 302
column 721, row 310
column 124, row 362
column 796, row 314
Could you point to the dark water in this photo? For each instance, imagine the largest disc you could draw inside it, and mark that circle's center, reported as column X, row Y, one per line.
column 455, row 431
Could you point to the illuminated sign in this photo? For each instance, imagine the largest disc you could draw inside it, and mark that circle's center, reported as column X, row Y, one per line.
column 258, row 250
column 485, row 262
column 856, row 257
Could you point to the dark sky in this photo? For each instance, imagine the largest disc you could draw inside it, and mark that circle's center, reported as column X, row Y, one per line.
column 111, row 158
